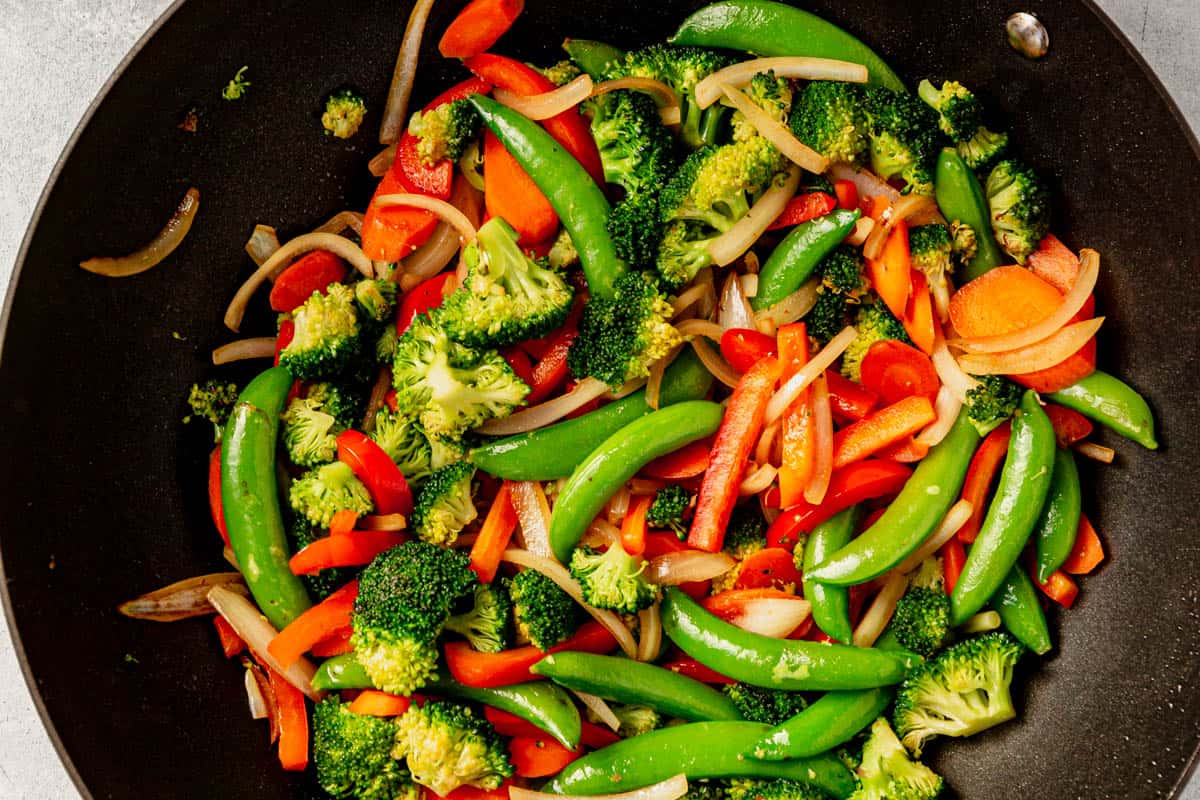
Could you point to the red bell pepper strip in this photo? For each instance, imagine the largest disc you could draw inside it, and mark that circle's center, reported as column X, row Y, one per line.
column 804, row 207
column 1059, row 587
column 335, row 644
column 510, row 193
column 488, row 670
column 798, row 425
column 847, row 399
column 848, row 487
column 507, row 724
column 287, row 332
column 745, row 347
column 633, row 525
column 736, row 438
column 691, row 668
column 355, row 549
column 518, row 359
column 421, row 299
column 891, row 273
column 494, row 535
column 981, row 474
column 769, row 567
column 551, row 369
column 686, row 462
column 468, row 792
column 417, row 175
column 312, row 272
column 1088, row 551
column 1069, row 425
column 540, row 756
column 293, row 723
column 478, row 26
column 894, row 370
column 215, row 506
column 906, row 451
column 329, row 616
column 394, row 232
column 231, row 643
column 659, row 543
column 374, row 703
column 847, row 194
column 954, row 555
column 882, row 428
column 375, row 468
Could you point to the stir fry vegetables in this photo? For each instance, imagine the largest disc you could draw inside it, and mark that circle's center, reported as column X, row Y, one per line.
column 709, row 461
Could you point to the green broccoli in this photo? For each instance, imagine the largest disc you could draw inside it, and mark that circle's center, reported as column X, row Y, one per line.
column 448, row 387
column 828, row 117
column 544, row 613
column 562, row 73
column 775, row 789
column 448, row 745
column 444, row 451
column 237, row 86
column 620, row 338
column 1020, row 206
column 636, row 229
column 681, row 68
column 745, row 535
column 213, row 401
column 487, row 625
column 352, row 755
column 309, row 433
column 634, row 720
column 921, row 621
column 404, row 599
column 983, row 150
column 445, row 131
column 768, row 706
column 562, row 253
column 322, row 492
column 337, row 399
column 959, row 112
column 376, row 298
column 344, row 113
column 635, row 147
column 887, row 772
column 707, row 789
column 320, row 585
column 507, row 297
column 385, row 345
column 843, row 285
column 963, row 242
column 327, row 335
column 932, row 249
column 405, row 443
column 991, row 402
column 670, row 509
column 771, row 94
column 444, row 505
column 905, row 139
column 963, row 690
column 613, row 579
column 874, row 323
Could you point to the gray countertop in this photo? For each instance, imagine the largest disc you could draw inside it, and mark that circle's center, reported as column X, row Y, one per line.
column 68, row 48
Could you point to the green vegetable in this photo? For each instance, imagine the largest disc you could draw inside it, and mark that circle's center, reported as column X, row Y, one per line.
column 795, row 258
column 1020, row 208
column 352, row 755
column 345, row 404
column 833, row 719
column 327, row 335
column 670, row 509
column 487, row 626
column 376, row 299
column 636, row 228
column 962, row 201
column 322, row 492
column 768, row 706
column 309, row 433
column 830, row 604
column 904, row 139
column 248, row 489
column 932, row 250
column 983, row 150
column 874, row 323
column 994, row 400
column 921, row 621
column 212, row 401
column 636, row 149
column 1024, row 484
column 768, row 28
column 1112, row 403
column 449, row 744
column 344, row 113
column 843, row 285
column 1020, row 608
column 888, row 772
column 237, row 86
column 618, row 458
column 777, row 789
column 633, row 720
column 959, row 112
column 1058, row 523
column 745, row 535
column 544, row 613
column 770, row 93
column 405, row 443
column 562, row 73
column 592, row 57
column 635, row 682
column 444, row 505
column 445, row 131
column 613, row 579
column 828, row 116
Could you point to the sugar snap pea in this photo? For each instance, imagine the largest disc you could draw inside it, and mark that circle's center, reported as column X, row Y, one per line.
column 1020, row 611
column 961, row 199
column 833, row 719
column 793, row 261
column 1114, row 404
column 1058, row 523
column 591, row 56
column 830, row 604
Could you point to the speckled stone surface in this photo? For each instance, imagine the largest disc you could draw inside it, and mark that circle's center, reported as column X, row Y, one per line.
column 65, row 49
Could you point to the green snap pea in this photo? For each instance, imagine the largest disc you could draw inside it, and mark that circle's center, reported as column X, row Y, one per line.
column 776, row 663
column 712, row 124
column 833, row 719
column 1114, row 404
column 574, row 196
column 635, row 682
column 830, row 604
column 251, row 501
column 776, row 29
column 914, row 514
column 591, row 56
column 618, row 458
column 961, row 199
column 1020, row 611
column 797, row 256
column 698, row 750
column 555, row 451
column 540, row 703
column 1024, row 484
column 1059, row 521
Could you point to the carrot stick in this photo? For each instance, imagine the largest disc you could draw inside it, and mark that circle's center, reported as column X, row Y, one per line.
column 293, row 723
column 478, row 26
column 487, row 670
column 882, row 428
column 1088, row 551
column 797, row 434
column 509, row 192
column 493, row 536
column 891, row 273
column 380, row 704
column 315, row 624
column 633, row 526
column 1059, row 587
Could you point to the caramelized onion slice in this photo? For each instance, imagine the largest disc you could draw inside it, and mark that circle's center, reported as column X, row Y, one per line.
column 154, row 251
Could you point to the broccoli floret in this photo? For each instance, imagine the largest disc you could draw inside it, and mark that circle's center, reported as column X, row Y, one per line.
column 563, row 253
column 1020, row 207
column 772, row 94
column 619, row 338
column 301, row 534
column 352, row 755
column 544, row 613
column 932, row 250
column 213, row 401
column 444, row 451
column 309, row 433
column 237, row 86
column 963, row 690
column 745, row 535
column 376, row 298
column 487, row 626
column 983, row 149
column 681, row 68
column 707, row 789
column 887, row 772
column 843, row 284
column 634, row 720
column 405, row 443
column 963, row 241
column 385, row 345
column 344, row 404
column 921, row 620
column 905, row 139
column 449, row 387
column 444, row 506
column 991, row 402
column 327, row 335
column 445, row 131
column 449, row 744
column 344, row 112
column 322, row 492
column 562, row 73
column 670, row 509
column 874, row 323
column 613, row 579
column 829, row 314
column 636, row 229
column 404, row 599
column 507, row 297
column 959, row 111
column 635, row 147
column 768, row 706
column 778, row 789
column 828, row 117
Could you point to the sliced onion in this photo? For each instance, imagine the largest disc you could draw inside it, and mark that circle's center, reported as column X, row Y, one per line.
column 1072, row 302
column 796, row 384
column 340, row 222
column 670, row 789
column 982, row 622
column 267, row 692
column 700, row 327
column 716, row 365
column 618, row 506
column 947, row 409
column 655, row 379
column 545, row 413
column 338, row 245
column 1096, row 452
column 867, row 183
column 906, row 208
column 863, row 227
column 230, row 558
column 257, row 633
column 601, row 534
column 664, row 96
column 1046, row 353
column 439, row 208
column 254, row 696
column 649, row 633
column 396, row 110
column 776, row 617
column 822, row 472
column 766, row 442
column 734, row 311
column 792, row 307
column 382, row 522
column 708, row 91
column 685, row 566
column 244, row 349
column 949, row 372
column 381, row 163
column 628, row 388
column 599, row 708
column 383, row 384
column 154, row 251
column 645, row 485
column 730, row 245
column 559, row 574
column 547, row 104
column 758, row 481
column 432, row 257
column 262, row 244
column 533, row 512
column 955, row 518
column 776, row 132
column 749, row 280
column 183, row 599
column 770, row 513
column 708, row 303
column 690, row 297
column 879, row 614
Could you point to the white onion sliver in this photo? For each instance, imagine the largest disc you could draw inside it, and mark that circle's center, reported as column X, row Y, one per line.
column 727, row 247
column 947, row 407
column 700, row 327
column 906, row 208
column 773, row 616
column 749, row 284
column 690, row 297
column 868, row 183
column 879, row 614
column 758, row 481
column 601, row 534
column 955, row 518
column 550, row 411
column 655, row 379
column 244, row 349
column 262, row 244
column 548, row 104
column 708, row 91
column 1040, row 355
column 405, row 72
column 183, row 599
column 664, row 96
column 1096, row 452
column 822, row 472
column 672, row 569
column 670, row 789
column 599, row 707
column 776, row 132
column 254, row 697
column 382, row 522
column 863, row 227
column 981, row 623
column 649, row 633
column 808, row 373
column 792, row 307
column 949, row 372
column 151, row 254
column 734, row 310
column 533, row 512
column 432, row 257
column 713, row 362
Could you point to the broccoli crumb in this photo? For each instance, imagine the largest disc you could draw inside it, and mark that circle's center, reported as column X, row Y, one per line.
column 237, row 86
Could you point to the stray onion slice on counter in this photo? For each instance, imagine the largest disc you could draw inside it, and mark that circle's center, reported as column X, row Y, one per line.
column 670, row 789
column 183, row 599
column 154, row 251
column 395, row 113
column 776, row 132
column 731, row 244
column 708, row 91
column 547, row 104
column 244, row 350
column 685, row 566
column 665, row 98
column 1041, row 355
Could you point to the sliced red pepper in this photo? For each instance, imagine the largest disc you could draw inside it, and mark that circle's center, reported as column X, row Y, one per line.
column 802, row 208
column 848, row 400
column 287, row 332
column 894, row 370
column 906, row 451
column 520, row 363
column 421, row 299
column 419, row 176
column 691, row 668
column 744, row 347
column 468, row 792
column 1059, row 587
column 985, row 466
column 215, row 506
column 1069, row 425
column 478, row 26
column 596, row 737
column 551, row 368
column 293, row 723
column 487, row 670
column 231, row 643
column 954, row 556
column 325, row 618
column 847, row 194
column 393, row 232
column 769, row 567
column 686, row 462
column 354, row 549
column 335, row 644
column 375, row 468
column 312, row 272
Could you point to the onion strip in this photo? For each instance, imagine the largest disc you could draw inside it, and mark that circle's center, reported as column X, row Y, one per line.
column 545, row 413
column 906, row 208
column 787, row 393
column 690, row 297
column 153, row 252
column 981, row 623
column 685, row 566
column 1096, row 452
column 262, row 244
column 340, row 222
column 701, row 327
column 440, row 208
column 863, row 227
column 547, row 104
column 254, row 696
column 599, row 708
column 405, row 72
column 955, row 518
column 727, row 247
column 664, row 96
column 533, row 512
column 382, row 162
column 382, row 522
column 432, row 257
column 776, row 132
column 671, row 789
column 792, row 307
column 734, row 311
column 868, row 183
column 708, row 91
column 766, row 442
column 949, row 372
column 879, row 614
column 383, row 384
column 655, row 379
column 713, row 362
column 183, row 599
column 244, row 349
column 1041, row 355
column 775, row 617
column 649, row 633
column 758, row 480
column 947, row 409
column 822, row 472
